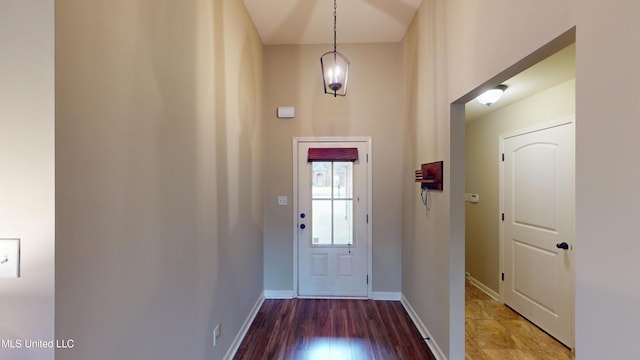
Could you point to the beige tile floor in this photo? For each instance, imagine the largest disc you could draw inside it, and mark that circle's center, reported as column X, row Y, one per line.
column 495, row 332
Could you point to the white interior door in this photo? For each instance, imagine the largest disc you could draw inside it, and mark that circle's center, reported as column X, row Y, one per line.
column 332, row 223
column 538, row 227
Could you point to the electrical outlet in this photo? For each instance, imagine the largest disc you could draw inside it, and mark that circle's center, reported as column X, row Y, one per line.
column 216, row 335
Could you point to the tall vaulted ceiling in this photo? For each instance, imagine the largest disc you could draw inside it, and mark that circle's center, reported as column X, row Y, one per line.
column 311, row 21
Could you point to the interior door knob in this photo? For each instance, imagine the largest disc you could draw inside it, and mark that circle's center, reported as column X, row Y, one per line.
column 563, row 246
column 302, row 226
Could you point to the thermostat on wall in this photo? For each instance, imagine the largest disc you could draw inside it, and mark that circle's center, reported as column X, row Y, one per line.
column 474, row 198
column 286, row 112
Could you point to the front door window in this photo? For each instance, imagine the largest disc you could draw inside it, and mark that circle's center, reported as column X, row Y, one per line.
column 332, row 203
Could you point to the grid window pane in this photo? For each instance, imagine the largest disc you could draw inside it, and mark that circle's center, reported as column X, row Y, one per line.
column 332, row 203
column 321, row 226
column 321, row 180
column 342, row 180
column 342, row 222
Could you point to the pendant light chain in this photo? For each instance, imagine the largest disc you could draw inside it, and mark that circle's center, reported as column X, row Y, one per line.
column 335, row 17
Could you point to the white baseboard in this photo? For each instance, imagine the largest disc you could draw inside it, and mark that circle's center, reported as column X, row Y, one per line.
column 387, row 296
column 431, row 343
column 483, row 287
column 235, row 345
column 278, row 294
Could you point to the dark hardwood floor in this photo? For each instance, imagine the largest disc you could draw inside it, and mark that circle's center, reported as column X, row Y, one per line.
column 331, row 329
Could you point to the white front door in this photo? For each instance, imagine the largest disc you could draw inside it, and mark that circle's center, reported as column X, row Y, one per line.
column 538, row 226
column 332, row 222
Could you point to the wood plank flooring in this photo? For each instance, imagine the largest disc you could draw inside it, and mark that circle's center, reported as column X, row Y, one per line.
column 331, row 329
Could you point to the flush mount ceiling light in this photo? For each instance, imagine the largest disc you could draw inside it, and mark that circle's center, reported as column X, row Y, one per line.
column 335, row 66
column 492, row 95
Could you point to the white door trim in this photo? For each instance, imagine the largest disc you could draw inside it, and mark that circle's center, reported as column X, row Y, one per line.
column 537, row 127
column 296, row 141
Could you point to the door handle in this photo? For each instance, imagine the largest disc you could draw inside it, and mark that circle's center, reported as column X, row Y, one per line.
column 302, row 226
column 563, row 246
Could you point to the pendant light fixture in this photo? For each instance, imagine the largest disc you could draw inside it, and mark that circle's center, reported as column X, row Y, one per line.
column 335, row 66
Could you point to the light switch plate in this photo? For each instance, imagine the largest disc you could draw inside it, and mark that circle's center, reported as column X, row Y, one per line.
column 9, row 258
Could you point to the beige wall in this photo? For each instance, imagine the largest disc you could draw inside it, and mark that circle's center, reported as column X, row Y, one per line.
column 479, row 43
column 158, row 177
column 482, row 172
column 372, row 108
column 425, row 248
column 27, row 172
